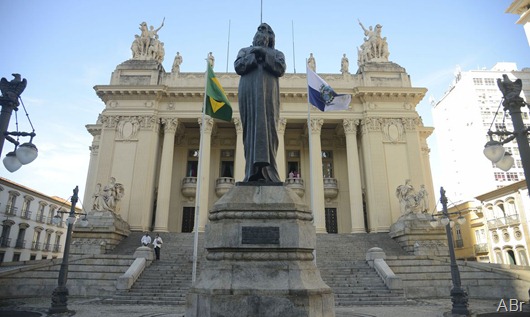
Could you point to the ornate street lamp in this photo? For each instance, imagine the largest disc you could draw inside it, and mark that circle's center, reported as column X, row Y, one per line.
column 459, row 296
column 23, row 153
column 60, row 293
column 493, row 149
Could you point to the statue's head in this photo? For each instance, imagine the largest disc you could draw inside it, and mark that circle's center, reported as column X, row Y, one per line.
column 264, row 36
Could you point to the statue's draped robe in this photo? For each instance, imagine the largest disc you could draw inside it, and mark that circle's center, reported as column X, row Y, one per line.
column 259, row 107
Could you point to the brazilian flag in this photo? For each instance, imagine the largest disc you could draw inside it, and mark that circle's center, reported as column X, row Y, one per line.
column 217, row 104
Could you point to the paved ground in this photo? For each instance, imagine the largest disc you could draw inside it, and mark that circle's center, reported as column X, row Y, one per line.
column 90, row 307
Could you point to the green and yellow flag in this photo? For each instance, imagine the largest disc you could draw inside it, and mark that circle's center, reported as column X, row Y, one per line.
column 217, row 104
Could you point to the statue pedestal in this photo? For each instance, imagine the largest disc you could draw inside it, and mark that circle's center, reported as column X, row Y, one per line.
column 104, row 231
column 415, row 234
column 260, row 242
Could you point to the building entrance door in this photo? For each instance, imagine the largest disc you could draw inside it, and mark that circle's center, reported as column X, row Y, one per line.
column 331, row 220
column 188, row 217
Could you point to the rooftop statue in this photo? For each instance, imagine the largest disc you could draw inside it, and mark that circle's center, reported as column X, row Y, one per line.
column 260, row 67
column 147, row 46
column 511, row 90
column 11, row 90
column 374, row 48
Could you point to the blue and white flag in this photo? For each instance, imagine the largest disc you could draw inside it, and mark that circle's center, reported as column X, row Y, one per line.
column 322, row 96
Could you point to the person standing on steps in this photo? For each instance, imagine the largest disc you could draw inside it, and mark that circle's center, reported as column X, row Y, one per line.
column 146, row 240
column 157, row 244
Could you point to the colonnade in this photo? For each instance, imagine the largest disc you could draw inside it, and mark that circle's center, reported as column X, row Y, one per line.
column 317, row 182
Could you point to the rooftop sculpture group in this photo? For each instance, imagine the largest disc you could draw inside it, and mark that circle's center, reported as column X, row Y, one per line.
column 147, row 46
column 374, row 48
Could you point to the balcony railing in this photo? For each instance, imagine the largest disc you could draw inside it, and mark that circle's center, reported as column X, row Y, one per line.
column 296, row 184
column 11, row 210
column 26, row 214
column 47, row 247
column 503, row 221
column 481, row 248
column 36, row 246
column 5, row 242
column 331, row 188
column 223, row 185
column 56, row 248
column 41, row 218
column 20, row 244
column 459, row 243
column 189, row 187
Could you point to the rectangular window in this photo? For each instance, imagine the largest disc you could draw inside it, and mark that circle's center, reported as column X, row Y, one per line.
column 500, row 176
column 191, row 169
column 227, row 163
column 293, row 164
column 512, row 176
column 477, row 81
column 489, row 81
column 331, row 220
column 327, row 164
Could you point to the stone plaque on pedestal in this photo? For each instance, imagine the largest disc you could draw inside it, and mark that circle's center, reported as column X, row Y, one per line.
column 260, row 243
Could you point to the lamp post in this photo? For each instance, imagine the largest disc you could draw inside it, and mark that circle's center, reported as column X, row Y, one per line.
column 60, row 293
column 494, row 150
column 9, row 100
column 459, row 296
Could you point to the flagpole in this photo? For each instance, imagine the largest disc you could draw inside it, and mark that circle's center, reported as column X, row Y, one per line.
column 199, row 179
column 294, row 60
column 309, row 130
column 228, row 47
column 261, row 13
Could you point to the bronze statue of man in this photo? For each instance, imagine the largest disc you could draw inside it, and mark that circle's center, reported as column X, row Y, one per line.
column 260, row 67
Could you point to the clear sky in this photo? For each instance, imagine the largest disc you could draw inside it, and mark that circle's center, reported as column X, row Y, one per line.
column 64, row 48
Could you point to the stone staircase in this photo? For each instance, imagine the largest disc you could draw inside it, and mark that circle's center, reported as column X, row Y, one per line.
column 88, row 275
column 429, row 277
column 164, row 282
column 340, row 259
column 342, row 264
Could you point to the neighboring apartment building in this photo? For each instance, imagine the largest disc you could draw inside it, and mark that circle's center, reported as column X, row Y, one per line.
column 462, row 119
column 496, row 228
column 507, row 213
column 27, row 232
column 470, row 238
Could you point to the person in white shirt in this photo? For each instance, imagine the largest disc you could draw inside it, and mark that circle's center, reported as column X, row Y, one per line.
column 157, row 243
column 146, row 240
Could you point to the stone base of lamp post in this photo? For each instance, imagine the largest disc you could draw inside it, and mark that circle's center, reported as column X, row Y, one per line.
column 59, row 301
column 104, row 232
column 415, row 235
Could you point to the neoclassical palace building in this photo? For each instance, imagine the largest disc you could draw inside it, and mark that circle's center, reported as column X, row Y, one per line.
column 346, row 164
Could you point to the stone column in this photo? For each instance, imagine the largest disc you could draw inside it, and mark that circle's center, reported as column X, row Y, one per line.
column 375, row 172
column 280, row 156
column 239, row 164
column 204, row 173
column 354, row 176
column 166, row 171
column 90, row 186
column 317, row 179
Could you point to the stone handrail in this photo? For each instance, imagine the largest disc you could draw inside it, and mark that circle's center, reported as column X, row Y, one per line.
column 144, row 257
column 376, row 259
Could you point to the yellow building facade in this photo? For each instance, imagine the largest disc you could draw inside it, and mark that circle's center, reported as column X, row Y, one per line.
column 346, row 165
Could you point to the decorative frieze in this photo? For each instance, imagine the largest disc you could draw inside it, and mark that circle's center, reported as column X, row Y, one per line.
column 393, row 131
column 350, row 125
column 170, row 124
column 208, row 124
column 282, row 124
column 316, row 125
column 127, row 127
